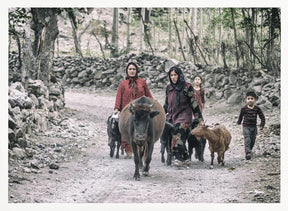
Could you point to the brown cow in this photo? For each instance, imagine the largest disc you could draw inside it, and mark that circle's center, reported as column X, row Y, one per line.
column 141, row 123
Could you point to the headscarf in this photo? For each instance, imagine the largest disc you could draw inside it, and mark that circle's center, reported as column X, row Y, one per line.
column 132, row 80
column 178, row 86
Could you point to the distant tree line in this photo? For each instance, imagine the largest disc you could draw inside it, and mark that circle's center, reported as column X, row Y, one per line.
column 247, row 38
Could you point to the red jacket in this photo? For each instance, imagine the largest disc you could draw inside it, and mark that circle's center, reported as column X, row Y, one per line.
column 124, row 93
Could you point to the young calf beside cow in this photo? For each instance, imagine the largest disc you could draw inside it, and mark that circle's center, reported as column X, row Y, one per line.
column 193, row 142
column 166, row 138
column 114, row 136
column 165, row 141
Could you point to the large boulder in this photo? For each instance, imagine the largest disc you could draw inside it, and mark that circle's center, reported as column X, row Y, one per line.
column 235, row 98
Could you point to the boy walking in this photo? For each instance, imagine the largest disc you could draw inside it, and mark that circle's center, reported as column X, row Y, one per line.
column 249, row 112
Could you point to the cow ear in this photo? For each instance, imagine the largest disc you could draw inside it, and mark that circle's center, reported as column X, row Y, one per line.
column 154, row 113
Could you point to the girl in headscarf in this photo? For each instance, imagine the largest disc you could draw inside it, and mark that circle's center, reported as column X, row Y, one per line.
column 179, row 106
column 131, row 88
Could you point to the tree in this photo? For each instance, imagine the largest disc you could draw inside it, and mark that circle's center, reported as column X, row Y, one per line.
column 128, row 31
column 114, row 42
column 146, row 24
column 179, row 39
column 17, row 19
column 169, row 30
column 235, row 35
column 274, row 22
column 46, row 31
column 74, row 25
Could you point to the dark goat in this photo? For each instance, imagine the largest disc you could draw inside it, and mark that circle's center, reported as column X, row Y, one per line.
column 199, row 145
column 114, row 136
column 165, row 141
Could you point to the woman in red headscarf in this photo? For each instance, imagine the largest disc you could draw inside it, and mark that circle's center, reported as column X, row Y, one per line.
column 131, row 88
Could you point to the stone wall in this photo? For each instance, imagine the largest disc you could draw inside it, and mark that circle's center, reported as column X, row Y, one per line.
column 30, row 110
column 219, row 83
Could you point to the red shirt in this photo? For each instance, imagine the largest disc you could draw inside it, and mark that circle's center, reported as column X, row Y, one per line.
column 199, row 96
column 124, row 93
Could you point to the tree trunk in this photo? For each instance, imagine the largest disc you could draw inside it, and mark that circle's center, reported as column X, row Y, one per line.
column 106, row 34
column 223, row 51
column 101, row 48
column 146, row 35
column 252, row 39
column 201, row 25
column 247, row 32
column 270, row 48
column 220, row 37
column 169, row 30
column 235, row 37
column 27, row 56
column 128, row 31
column 141, row 29
column 46, row 31
column 183, row 31
column 194, row 21
column 147, row 28
column 73, row 22
column 195, row 38
column 180, row 43
column 114, row 42
column 17, row 38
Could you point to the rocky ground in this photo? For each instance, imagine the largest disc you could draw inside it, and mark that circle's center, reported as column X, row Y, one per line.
column 70, row 162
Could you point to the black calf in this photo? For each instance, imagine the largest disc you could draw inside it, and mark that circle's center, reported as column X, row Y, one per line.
column 114, row 135
column 194, row 143
column 165, row 141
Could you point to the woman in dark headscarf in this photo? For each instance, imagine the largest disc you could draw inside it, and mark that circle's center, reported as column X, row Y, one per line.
column 179, row 106
column 131, row 88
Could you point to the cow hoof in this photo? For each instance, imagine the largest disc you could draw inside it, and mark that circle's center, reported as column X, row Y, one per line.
column 211, row 167
column 145, row 173
column 137, row 176
column 117, row 156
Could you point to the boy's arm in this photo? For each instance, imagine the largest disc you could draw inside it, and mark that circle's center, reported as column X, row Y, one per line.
column 240, row 117
column 262, row 117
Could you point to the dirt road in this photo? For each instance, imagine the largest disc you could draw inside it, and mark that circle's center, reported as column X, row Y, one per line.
column 91, row 176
